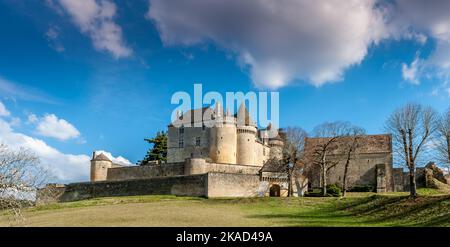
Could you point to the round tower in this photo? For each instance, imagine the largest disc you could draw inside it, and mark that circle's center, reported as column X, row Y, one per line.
column 276, row 148
column 99, row 167
column 223, row 138
column 246, row 137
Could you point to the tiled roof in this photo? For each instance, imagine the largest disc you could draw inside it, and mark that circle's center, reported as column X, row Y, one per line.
column 367, row 144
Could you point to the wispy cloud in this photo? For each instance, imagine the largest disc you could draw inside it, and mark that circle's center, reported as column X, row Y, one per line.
column 411, row 73
column 3, row 110
column 52, row 36
column 96, row 19
column 14, row 91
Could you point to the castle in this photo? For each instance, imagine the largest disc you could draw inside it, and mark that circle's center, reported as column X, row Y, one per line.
column 231, row 151
column 227, row 141
column 226, row 146
column 226, row 155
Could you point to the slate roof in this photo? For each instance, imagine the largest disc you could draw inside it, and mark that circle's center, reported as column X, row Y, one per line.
column 189, row 116
column 273, row 165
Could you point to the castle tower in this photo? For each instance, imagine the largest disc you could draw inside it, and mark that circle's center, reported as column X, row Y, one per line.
column 223, row 137
column 99, row 167
column 276, row 148
column 246, row 137
column 276, row 144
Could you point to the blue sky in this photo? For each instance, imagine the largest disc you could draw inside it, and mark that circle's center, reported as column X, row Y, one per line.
column 72, row 83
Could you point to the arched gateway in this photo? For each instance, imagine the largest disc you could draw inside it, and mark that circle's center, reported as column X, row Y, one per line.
column 275, row 190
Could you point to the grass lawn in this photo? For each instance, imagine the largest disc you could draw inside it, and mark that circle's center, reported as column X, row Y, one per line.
column 431, row 208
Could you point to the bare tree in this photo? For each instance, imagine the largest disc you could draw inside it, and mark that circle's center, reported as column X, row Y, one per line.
column 351, row 145
column 443, row 139
column 20, row 177
column 293, row 150
column 319, row 153
column 411, row 127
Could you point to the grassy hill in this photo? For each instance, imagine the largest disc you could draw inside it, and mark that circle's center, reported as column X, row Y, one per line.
column 431, row 208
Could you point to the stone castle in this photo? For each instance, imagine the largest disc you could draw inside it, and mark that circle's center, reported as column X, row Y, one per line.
column 227, row 155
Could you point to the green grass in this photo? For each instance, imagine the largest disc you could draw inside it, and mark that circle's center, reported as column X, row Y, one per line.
column 431, row 208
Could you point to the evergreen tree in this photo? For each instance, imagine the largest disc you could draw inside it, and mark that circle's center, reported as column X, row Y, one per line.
column 159, row 150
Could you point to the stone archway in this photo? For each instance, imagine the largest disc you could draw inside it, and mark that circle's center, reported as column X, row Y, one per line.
column 275, row 190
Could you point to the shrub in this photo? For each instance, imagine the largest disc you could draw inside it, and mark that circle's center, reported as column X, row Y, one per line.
column 313, row 194
column 362, row 188
column 333, row 190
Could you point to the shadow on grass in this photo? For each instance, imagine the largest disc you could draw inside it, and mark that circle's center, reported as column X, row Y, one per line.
column 376, row 210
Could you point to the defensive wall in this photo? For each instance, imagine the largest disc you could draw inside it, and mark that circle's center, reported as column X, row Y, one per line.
column 211, row 184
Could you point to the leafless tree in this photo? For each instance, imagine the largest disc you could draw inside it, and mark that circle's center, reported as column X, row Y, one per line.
column 443, row 139
column 20, row 177
column 350, row 145
column 411, row 127
column 293, row 150
column 318, row 155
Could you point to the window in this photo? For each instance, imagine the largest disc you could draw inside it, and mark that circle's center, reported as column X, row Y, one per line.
column 264, row 151
column 181, row 129
column 203, row 127
column 181, row 143
column 197, row 141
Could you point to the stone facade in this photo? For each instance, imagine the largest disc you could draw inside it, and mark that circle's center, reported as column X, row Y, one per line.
column 371, row 165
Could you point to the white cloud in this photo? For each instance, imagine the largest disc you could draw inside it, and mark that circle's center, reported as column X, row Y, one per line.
column 118, row 160
column 279, row 41
column 64, row 167
column 96, row 18
column 60, row 129
column 410, row 73
column 3, row 110
column 426, row 18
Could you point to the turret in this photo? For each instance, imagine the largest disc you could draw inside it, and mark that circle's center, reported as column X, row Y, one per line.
column 276, row 148
column 275, row 140
column 99, row 167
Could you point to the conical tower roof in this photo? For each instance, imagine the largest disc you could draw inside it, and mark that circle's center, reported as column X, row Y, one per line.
column 101, row 157
column 243, row 116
